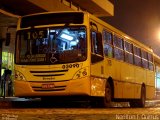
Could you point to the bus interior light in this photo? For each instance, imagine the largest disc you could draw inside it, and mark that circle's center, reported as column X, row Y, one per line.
column 66, row 36
column 73, row 42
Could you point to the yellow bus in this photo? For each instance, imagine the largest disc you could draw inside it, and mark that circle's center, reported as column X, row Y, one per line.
column 75, row 54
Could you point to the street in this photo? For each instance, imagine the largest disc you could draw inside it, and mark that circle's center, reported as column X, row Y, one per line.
column 77, row 111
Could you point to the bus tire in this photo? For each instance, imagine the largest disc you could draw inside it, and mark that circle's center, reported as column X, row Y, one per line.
column 96, row 102
column 108, row 95
column 103, row 102
column 140, row 102
column 132, row 104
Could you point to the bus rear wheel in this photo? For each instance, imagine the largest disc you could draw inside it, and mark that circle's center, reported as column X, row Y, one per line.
column 141, row 101
column 143, row 97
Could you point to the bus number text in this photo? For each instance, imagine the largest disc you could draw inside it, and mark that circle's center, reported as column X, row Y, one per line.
column 67, row 66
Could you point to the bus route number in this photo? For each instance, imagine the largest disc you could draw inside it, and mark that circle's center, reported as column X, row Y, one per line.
column 36, row 34
column 67, row 66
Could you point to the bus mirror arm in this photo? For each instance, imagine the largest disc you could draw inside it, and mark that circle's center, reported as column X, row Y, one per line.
column 8, row 39
column 8, row 35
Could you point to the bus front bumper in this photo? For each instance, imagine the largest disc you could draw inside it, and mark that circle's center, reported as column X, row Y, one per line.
column 60, row 88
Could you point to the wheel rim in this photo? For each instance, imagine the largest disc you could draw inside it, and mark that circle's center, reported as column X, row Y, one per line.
column 108, row 93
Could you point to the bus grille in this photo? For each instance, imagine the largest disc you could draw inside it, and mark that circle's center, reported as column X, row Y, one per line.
column 56, row 88
column 48, row 73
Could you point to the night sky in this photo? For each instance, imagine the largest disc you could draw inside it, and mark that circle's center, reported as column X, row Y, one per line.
column 139, row 19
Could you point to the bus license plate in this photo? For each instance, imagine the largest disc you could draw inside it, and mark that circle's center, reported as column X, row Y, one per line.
column 46, row 86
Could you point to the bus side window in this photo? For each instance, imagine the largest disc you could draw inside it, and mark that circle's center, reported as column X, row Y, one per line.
column 96, row 47
column 144, row 59
column 128, row 47
column 150, row 59
column 108, row 47
column 118, row 48
column 137, row 56
column 96, row 41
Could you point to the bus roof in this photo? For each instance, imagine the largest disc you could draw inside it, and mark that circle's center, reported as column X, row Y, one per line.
column 52, row 12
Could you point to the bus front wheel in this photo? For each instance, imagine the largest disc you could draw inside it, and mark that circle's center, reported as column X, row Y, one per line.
column 103, row 101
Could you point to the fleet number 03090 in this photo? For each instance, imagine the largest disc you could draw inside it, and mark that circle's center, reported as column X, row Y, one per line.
column 67, row 66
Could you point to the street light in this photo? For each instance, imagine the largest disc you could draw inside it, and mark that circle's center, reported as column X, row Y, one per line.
column 159, row 35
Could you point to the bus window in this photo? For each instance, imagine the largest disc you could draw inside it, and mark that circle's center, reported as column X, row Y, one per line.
column 118, row 48
column 150, row 59
column 128, row 47
column 96, row 41
column 108, row 47
column 137, row 56
column 151, row 66
column 96, row 47
column 144, row 59
column 118, row 42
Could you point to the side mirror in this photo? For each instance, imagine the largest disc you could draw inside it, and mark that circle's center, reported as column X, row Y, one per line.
column 8, row 39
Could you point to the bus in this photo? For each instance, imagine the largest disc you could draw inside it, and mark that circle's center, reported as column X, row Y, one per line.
column 75, row 54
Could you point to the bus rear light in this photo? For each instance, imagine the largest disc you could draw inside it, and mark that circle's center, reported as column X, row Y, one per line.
column 19, row 76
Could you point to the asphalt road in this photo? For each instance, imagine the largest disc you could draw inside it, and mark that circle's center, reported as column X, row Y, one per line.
column 76, row 111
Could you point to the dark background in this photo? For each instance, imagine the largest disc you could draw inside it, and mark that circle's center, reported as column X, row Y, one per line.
column 139, row 19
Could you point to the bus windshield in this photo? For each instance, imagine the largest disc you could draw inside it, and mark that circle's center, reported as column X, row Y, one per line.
column 51, row 45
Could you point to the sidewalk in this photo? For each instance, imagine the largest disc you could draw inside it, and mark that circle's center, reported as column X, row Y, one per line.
column 12, row 99
column 9, row 102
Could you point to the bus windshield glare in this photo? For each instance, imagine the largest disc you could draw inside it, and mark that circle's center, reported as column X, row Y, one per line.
column 51, row 45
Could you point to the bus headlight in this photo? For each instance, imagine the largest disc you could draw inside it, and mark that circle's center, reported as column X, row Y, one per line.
column 81, row 73
column 19, row 76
